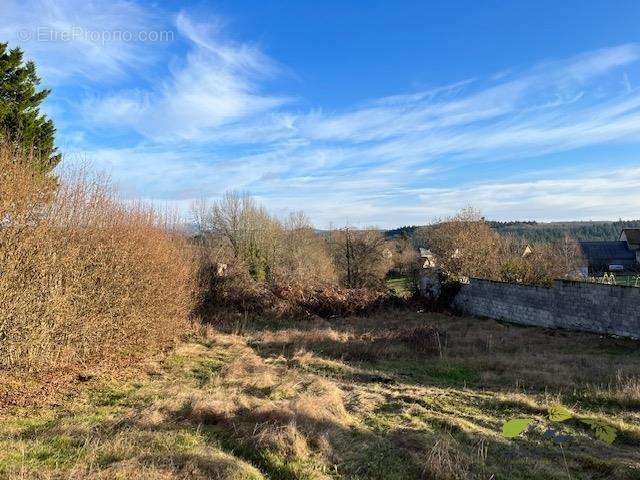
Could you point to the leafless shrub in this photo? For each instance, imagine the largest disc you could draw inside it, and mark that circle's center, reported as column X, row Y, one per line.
column 465, row 246
column 269, row 263
column 85, row 279
column 537, row 263
column 239, row 223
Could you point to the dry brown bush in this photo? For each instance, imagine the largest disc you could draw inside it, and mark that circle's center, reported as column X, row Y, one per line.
column 286, row 295
column 329, row 301
column 230, row 299
column 305, row 258
column 271, row 266
column 284, row 268
column 467, row 246
column 235, row 291
column 543, row 262
column 85, row 281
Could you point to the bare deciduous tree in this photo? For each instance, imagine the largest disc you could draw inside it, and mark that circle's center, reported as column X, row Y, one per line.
column 248, row 229
column 465, row 245
column 305, row 255
column 271, row 250
column 362, row 257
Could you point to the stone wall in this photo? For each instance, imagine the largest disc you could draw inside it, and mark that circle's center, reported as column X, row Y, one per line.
column 590, row 307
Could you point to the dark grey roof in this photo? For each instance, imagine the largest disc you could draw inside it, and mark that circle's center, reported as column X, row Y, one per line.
column 607, row 251
column 633, row 235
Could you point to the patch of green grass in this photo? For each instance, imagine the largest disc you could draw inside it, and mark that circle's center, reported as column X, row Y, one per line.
column 47, row 451
column 401, row 286
column 378, row 458
column 386, row 417
column 422, row 371
column 176, row 360
column 55, row 450
column 26, row 426
column 205, row 370
column 188, row 440
column 326, row 367
column 104, row 459
column 10, row 458
column 454, row 374
column 109, row 395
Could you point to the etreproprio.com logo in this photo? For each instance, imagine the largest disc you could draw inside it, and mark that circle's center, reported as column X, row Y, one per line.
column 77, row 33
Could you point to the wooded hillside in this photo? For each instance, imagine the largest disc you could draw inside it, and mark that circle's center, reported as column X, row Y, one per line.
column 546, row 231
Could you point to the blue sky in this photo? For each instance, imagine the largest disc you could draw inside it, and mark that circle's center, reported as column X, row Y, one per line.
column 372, row 113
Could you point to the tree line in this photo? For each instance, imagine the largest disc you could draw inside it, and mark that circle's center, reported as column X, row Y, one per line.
column 541, row 232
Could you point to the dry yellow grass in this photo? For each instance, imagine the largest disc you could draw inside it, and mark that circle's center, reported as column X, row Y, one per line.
column 446, row 460
column 486, row 372
column 214, row 411
column 249, row 407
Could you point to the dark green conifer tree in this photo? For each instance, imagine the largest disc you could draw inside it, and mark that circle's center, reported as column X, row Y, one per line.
column 21, row 124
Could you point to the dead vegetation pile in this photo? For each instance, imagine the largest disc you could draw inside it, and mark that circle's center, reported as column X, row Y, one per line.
column 254, row 263
column 331, row 301
column 236, row 292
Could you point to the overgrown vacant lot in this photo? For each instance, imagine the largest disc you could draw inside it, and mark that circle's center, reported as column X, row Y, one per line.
column 378, row 397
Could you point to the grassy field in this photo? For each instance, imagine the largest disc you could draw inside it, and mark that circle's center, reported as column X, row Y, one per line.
column 401, row 286
column 381, row 397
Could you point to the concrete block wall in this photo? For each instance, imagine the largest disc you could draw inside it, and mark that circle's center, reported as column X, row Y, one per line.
column 589, row 307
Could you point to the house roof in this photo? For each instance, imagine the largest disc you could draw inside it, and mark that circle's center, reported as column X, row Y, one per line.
column 599, row 252
column 425, row 252
column 632, row 234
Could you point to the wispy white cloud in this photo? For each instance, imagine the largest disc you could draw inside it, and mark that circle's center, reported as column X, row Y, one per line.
column 71, row 39
column 206, row 118
column 553, row 106
column 595, row 194
column 364, row 165
column 591, row 195
column 216, row 86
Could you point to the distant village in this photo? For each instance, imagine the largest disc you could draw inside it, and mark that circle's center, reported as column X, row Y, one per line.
column 619, row 257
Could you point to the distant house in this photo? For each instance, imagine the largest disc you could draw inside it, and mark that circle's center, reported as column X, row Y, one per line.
column 428, row 257
column 632, row 237
column 622, row 256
